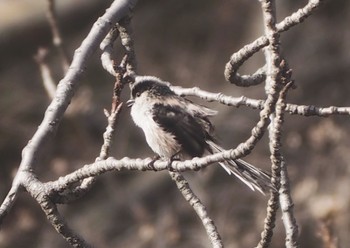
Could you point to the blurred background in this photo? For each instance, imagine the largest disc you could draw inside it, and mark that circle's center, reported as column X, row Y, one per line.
column 187, row 43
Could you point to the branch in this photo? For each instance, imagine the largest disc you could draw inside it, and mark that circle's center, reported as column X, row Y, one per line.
column 238, row 58
column 10, row 199
column 108, row 57
column 49, row 83
column 125, row 32
column 198, row 206
column 285, row 197
column 112, row 117
column 56, row 34
column 65, row 91
column 39, row 192
column 273, row 83
column 219, row 97
column 293, row 109
column 277, row 74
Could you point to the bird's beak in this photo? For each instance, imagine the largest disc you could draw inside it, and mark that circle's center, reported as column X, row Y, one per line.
column 130, row 102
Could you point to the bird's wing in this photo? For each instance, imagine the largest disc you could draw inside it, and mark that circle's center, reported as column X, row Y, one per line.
column 201, row 112
column 198, row 110
column 187, row 129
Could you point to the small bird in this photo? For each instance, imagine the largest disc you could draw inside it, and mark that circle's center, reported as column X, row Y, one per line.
column 174, row 125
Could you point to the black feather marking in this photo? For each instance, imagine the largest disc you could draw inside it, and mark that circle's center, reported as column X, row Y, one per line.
column 187, row 130
column 152, row 86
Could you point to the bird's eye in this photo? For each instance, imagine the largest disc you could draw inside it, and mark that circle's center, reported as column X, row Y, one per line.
column 138, row 94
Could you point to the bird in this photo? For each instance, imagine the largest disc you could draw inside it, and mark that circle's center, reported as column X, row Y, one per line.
column 174, row 125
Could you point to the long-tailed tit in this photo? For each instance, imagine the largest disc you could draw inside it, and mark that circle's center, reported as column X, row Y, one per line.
column 174, row 125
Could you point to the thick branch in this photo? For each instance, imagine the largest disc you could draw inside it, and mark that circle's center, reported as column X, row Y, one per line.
column 65, row 91
column 39, row 192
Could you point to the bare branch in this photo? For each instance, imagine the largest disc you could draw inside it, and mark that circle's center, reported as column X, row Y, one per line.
column 65, row 91
column 219, row 97
column 277, row 74
column 86, row 184
column 125, row 31
column 285, row 197
column 39, row 192
column 58, row 222
column 9, row 199
column 49, row 83
column 56, row 34
column 198, row 206
column 238, row 58
column 108, row 56
column 273, row 84
column 299, row 16
column 293, row 109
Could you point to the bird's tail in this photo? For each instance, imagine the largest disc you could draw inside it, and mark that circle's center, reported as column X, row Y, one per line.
column 253, row 177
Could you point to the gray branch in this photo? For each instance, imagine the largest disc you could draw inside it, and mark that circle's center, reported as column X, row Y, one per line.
column 65, row 91
column 199, row 208
column 277, row 76
column 238, row 58
column 293, row 109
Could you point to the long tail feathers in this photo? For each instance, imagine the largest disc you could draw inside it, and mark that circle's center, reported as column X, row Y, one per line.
column 254, row 178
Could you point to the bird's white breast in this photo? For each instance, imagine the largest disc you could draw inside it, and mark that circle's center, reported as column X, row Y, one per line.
column 160, row 141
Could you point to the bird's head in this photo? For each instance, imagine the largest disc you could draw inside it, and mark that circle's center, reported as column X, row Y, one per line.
column 148, row 87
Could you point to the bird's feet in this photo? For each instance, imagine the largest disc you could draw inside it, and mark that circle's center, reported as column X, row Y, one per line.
column 151, row 164
column 175, row 157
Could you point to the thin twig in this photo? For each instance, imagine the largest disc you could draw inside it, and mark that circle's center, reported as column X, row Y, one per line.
column 108, row 56
column 56, row 34
column 285, row 198
column 125, row 32
column 198, row 207
column 49, row 83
